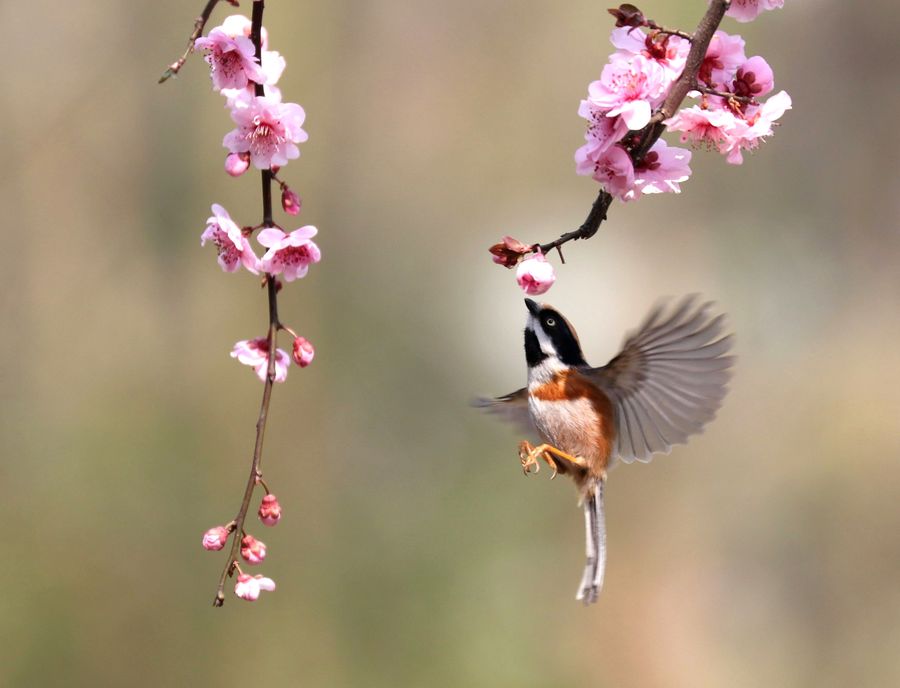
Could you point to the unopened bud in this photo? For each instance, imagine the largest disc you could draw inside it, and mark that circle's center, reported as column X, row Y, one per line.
column 252, row 550
column 214, row 539
column 270, row 510
column 237, row 163
column 290, row 201
column 303, row 352
column 627, row 14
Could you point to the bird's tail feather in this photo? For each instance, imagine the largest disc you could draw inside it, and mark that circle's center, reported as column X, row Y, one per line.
column 595, row 545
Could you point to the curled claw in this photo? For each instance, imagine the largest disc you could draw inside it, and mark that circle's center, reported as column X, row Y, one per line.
column 527, row 458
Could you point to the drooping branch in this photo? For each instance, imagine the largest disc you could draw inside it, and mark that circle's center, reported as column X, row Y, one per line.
column 255, row 476
column 199, row 24
column 646, row 137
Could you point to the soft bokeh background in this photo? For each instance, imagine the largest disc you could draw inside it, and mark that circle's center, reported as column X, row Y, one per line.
column 413, row 552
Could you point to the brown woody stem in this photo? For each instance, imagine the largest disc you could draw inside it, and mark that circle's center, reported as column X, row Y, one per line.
column 199, row 23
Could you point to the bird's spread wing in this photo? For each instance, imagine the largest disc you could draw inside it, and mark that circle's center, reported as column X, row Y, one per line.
column 511, row 407
column 669, row 379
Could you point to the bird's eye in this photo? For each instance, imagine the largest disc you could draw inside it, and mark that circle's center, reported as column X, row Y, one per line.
column 550, row 322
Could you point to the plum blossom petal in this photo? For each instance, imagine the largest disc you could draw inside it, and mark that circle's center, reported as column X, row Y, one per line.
column 239, row 25
column 748, row 10
column 603, row 131
column 754, row 78
column 612, row 168
column 233, row 247
column 232, row 60
column 266, row 128
column 535, row 275
column 758, row 125
column 255, row 353
column 289, row 254
column 248, row 587
column 670, row 52
column 724, row 55
column 661, row 170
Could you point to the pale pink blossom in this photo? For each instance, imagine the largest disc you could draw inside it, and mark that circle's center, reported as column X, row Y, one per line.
column 269, row 510
column 253, row 551
column 756, row 127
column 237, row 163
column 714, row 126
column 232, row 60
column 214, row 539
column 290, row 201
column 303, row 352
column 268, row 129
column 255, row 353
column 724, row 55
column 535, row 275
column 612, row 168
column 748, row 10
column 249, row 587
column 290, row 254
column 272, row 65
column 754, row 78
column 670, row 52
column 631, row 87
column 602, row 131
column 661, row 171
column 233, row 247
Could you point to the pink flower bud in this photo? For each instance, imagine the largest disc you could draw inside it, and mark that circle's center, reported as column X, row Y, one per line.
column 303, row 352
column 535, row 275
column 270, row 510
column 290, row 201
column 214, row 539
column 248, row 587
column 237, row 163
column 252, row 550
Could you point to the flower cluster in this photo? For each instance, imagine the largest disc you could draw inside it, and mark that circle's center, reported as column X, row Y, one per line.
column 624, row 113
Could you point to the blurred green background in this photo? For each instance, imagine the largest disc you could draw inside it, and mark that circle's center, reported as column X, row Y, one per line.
column 413, row 552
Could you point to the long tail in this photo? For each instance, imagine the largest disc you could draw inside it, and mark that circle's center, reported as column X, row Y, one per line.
column 595, row 545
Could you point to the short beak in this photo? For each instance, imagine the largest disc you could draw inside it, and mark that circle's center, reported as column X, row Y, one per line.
column 533, row 307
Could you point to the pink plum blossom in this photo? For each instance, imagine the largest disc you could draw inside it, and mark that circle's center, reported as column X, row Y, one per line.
column 304, row 352
column 602, row 131
column 709, row 126
column 232, row 59
column 249, row 587
column 290, row 201
column 269, row 510
column 253, row 551
column 214, row 539
column 290, row 254
column 757, row 126
column 239, row 25
column 612, row 168
column 748, row 10
column 268, row 129
column 255, row 353
column 535, row 275
column 754, row 78
column 670, row 52
column 631, row 87
column 724, row 55
column 233, row 246
column 661, row 170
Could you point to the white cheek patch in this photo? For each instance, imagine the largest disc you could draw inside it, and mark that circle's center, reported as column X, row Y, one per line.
column 546, row 345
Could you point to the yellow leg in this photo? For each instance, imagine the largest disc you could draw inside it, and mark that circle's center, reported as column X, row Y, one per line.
column 529, row 456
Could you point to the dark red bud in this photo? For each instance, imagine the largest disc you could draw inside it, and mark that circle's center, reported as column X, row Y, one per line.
column 627, row 14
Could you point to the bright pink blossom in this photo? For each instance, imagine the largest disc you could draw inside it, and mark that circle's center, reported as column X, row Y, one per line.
column 304, row 352
column 602, row 131
column 214, row 539
column 232, row 59
column 631, row 87
column 290, row 201
column 754, row 78
column 748, row 10
column 237, row 163
column 670, row 52
column 269, row 510
column 757, row 126
column 612, row 168
column 253, row 551
column 724, row 55
column 249, row 587
column 291, row 254
column 661, row 170
column 233, row 247
column 268, row 129
column 535, row 275
column 255, row 353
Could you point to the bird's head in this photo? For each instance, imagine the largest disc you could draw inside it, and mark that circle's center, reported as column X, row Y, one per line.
column 550, row 341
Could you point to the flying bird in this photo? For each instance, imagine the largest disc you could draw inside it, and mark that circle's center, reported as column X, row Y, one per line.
column 666, row 384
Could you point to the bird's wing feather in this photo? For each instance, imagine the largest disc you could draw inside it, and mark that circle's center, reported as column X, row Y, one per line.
column 669, row 379
column 512, row 407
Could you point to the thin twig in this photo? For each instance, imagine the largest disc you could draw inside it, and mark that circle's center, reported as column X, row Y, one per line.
column 705, row 90
column 199, row 23
column 647, row 136
column 272, row 292
column 672, row 32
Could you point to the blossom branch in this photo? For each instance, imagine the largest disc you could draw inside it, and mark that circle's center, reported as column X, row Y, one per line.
column 648, row 135
column 199, row 24
column 255, row 476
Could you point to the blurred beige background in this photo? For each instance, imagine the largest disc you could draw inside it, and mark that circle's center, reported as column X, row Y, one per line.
column 412, row 551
